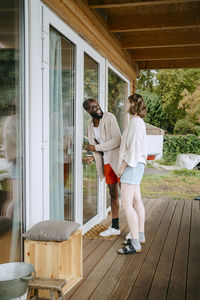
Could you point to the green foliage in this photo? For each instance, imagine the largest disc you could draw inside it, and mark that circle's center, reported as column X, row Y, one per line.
column 186, row 172
column 166, row 100
column 146, row 81
column 177, row 144
column 154, row 114
column 90, row 84
column 116, row 94
column 164, row 162
column 170, row 85
column 8, row 78
column 191, row 104
column 186, row 126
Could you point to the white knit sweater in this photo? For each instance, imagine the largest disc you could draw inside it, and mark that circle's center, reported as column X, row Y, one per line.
column 133, row 147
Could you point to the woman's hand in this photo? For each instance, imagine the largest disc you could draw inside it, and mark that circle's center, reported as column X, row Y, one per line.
column 121, row 169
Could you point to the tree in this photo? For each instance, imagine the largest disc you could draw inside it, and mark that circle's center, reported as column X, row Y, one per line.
column 154, row 114
column 170, row 85
column 146, row 80
column 191, row 104
column 163, row 91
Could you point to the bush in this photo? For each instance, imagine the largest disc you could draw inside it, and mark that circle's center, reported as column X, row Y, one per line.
column 179, row 144
column 186, row 172
column 185, row 126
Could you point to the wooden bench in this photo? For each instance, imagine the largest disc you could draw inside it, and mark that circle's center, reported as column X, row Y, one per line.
column 62, row 260
column 53, row 285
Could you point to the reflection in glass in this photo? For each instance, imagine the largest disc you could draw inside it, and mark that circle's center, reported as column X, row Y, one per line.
column 90, row 178
column 11, row 142
column 117, row 96
column 61, row 88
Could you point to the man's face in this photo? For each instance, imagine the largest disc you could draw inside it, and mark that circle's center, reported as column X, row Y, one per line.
column 95, row 110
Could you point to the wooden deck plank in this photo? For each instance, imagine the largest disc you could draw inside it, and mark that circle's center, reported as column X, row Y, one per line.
column 86, row 242
column 113, row 275
column 92, row 280
column 89, row 265
column 177, row 284
column 94, row 257
column 93, row 275
column 143, row 282
column 159, row 271
column 90, row 248
column 124, row 286
column 193, row 276
column 161, row 278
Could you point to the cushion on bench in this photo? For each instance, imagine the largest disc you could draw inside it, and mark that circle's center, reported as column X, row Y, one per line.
column 52, row 230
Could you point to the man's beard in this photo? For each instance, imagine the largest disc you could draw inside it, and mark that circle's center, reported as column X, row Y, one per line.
column 97, row 116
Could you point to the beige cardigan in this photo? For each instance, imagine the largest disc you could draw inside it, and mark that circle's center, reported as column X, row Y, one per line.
column 133, row 147
column 111, row 136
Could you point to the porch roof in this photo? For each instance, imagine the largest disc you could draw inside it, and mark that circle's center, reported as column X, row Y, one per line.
column 157, row 34
column 167, row 268
column 137, row 34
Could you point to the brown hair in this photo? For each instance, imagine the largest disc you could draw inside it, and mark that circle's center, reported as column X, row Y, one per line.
column 137, row 106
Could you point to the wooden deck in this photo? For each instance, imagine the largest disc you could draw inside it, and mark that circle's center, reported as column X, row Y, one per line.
column 167, row 268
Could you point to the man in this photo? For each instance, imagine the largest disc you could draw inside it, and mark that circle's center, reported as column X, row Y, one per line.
column 105, row 138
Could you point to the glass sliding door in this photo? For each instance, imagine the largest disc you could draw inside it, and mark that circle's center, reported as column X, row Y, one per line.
column 90, row 178
column 62, row 137
column 11, row 129
column 117, row 97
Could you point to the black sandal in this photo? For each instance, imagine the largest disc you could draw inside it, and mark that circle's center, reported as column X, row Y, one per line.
column 128, row 242
column 129, row 249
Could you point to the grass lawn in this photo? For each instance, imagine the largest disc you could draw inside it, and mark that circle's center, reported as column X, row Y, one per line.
column 183, row 184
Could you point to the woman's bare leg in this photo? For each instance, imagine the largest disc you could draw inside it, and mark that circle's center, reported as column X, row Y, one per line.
column 127, row 196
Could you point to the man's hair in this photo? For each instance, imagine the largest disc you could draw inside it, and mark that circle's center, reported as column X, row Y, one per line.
column 87, row 102
column 137, row 106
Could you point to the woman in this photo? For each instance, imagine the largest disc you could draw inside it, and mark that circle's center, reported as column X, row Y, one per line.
column 132, row 160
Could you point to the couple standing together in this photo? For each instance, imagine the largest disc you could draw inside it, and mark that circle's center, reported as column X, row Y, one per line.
column 121, row 160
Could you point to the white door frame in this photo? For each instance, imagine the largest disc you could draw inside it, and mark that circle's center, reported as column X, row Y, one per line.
column 37, row 131
column 38, row 56
column 33, row 135
column 110, row 66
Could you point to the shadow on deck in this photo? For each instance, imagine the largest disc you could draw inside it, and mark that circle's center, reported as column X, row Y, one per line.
column 167, row 268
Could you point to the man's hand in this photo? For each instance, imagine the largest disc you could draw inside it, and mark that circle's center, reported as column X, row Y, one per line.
column 88, row 160
column 90, row 148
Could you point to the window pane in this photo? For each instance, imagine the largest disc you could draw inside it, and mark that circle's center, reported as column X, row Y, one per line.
column 11, row 130
column 117, row 96
column 90, row 178
column 61, row 88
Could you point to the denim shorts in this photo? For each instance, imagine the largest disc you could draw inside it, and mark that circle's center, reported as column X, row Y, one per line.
column 133, row 175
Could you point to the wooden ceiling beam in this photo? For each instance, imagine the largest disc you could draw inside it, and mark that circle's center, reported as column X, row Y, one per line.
column 77, row 15
column 169, row 64
column 155, row 21
column 95, row 4
column 156, row 39
column 165, row 53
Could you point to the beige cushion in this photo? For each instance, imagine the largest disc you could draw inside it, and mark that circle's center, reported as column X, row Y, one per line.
column 53, row 230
